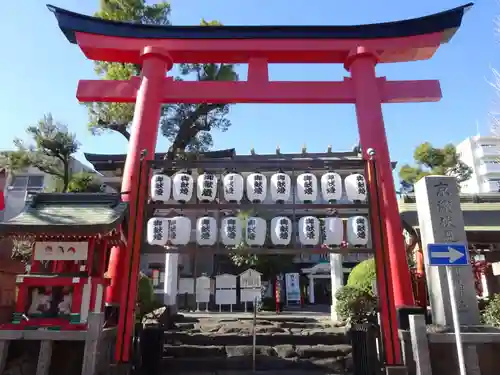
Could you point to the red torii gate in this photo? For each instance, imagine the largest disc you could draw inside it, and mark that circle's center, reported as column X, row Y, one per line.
column 359, row 48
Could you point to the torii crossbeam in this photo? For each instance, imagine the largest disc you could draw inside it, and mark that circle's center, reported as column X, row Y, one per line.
column 359, row 48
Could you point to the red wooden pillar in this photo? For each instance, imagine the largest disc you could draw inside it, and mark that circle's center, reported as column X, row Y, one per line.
column 155, row 63
column 384, row 279
column 116, row 273
column 361, row 63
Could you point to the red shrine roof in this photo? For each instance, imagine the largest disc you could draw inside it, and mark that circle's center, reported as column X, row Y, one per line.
column 68, row 213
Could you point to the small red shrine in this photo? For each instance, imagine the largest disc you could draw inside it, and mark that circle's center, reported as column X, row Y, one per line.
column 72, row 238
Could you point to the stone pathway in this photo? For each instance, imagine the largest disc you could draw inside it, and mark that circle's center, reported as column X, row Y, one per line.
column 283, row 343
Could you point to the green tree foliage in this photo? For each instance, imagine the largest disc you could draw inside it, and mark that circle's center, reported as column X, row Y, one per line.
column 491, row 314
column 186, row 126
column 85, row 182
column 145, row 295
column 50, row 151
column 434, row 161
column 355, row 305
column 363, row 275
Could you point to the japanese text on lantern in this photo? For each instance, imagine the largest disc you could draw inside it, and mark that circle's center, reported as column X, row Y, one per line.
column 205, row 229
column 231, row 229
column 159, row 186
column 229, row 188
column 361, row 184
column 251, row 229
column 258, row 185
column 330, row 184
column 310, row 233
column 283, row 229
column 308, row 185
column 360, row 228
column 281, row 184
column 208, row 185
column 184, row 189
column 172, row 229
column 158, row 234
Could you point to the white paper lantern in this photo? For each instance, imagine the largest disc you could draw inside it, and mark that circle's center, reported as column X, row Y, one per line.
column 206, row 187
column 281, row 187
column 281, row 231
column 179, row 230
column 307, row 187
column 182, row 187
column 309, row 230
column 333, row 231
column 161, row 184
column 157, row 231
column 358, row 232
column 233, row 186
column 355, row 187
column 231, row 231
column 255, row 231
column 206, row 231
column 331, row 187
column 256, row 187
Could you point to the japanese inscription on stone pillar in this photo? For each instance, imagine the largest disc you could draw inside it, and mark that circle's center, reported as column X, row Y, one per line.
column 441, row 221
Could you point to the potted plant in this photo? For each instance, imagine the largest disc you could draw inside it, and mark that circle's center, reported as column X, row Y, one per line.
column 358, row 309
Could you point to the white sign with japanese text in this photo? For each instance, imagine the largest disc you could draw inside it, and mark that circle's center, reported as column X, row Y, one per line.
column 61, row 251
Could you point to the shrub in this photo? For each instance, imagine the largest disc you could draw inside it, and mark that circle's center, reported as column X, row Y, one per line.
column 363, row 276
column 145, row 296
column 491, row 313
column 355, row 305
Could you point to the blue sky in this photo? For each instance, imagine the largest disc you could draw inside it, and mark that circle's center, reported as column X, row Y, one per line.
column 41, row 70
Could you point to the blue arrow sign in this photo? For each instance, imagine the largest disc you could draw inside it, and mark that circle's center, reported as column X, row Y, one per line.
column 448, row 254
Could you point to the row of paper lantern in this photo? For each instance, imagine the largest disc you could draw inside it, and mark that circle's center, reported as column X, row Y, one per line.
column 177, row 231
column 181, row 187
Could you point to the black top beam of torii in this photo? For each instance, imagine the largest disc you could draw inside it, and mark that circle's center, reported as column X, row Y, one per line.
column 446, row 22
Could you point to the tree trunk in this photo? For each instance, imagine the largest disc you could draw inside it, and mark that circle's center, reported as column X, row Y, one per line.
column 66, row 177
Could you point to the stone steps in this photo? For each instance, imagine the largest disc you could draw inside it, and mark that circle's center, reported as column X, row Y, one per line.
column 334, row 358
column 280, row 338
column 259, row 372
column 263, row 363
column 216, row 345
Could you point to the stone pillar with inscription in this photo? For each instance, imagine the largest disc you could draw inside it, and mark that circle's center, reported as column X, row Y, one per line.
column 441, row 221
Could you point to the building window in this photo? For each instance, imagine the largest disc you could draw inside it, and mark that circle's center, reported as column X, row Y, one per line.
column 20, row 183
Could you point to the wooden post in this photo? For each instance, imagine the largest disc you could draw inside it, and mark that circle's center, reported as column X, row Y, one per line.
column 420, row 345
column 44, row 357
column 4, row 351
column 90, row 353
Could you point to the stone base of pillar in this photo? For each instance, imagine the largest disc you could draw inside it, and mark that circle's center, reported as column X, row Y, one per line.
column 333, row 314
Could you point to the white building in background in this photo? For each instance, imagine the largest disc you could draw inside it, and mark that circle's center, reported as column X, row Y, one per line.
column 31, row 180
column 482, row 154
